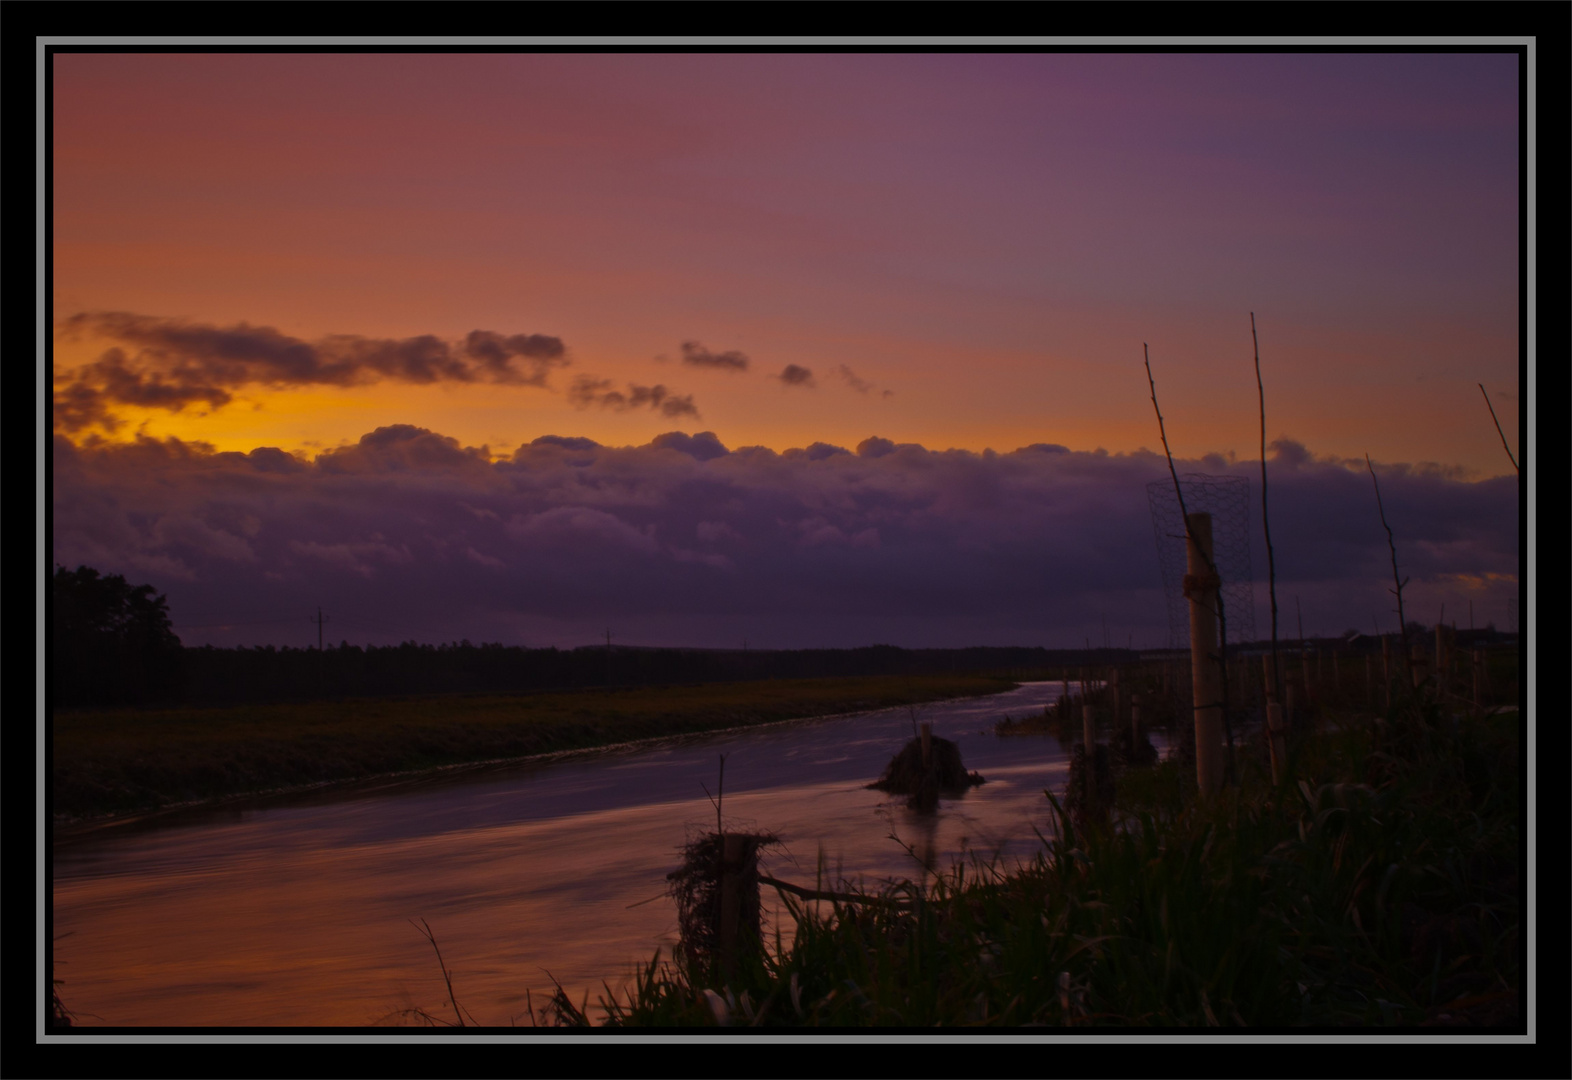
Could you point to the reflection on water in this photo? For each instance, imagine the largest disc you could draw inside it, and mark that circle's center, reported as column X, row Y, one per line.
column 298, row 913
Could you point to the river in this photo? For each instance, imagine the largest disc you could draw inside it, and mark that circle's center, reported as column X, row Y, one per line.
column 298, row 911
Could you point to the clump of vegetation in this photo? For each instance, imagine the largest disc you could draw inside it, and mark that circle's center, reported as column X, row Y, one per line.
column 1381, row 888
column 923, row 781
column 1048, row 722
column 696, row 887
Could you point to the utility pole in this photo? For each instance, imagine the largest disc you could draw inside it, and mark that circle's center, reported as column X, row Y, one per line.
column 319, row 620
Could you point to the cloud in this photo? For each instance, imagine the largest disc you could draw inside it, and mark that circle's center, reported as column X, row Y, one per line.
column 695, row 353
column 588, row 390
column 172, row 363
column 701, row 447
column 682, row 541
column 859, row 385
column 794, row 375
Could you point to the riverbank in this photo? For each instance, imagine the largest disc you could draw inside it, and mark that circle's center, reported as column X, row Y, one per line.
column 1381, row 888
column 109, row 763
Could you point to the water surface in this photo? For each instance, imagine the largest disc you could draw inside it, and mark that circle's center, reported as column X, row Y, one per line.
column 298, row 913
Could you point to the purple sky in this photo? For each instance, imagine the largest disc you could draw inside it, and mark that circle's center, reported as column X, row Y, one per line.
column 314, row 315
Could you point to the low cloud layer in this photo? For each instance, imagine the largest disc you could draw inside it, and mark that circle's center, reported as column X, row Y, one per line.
column 408, row 534
column 171, row 363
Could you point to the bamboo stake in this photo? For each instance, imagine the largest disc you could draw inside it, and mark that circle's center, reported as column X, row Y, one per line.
column 1204, row 667
column 1266, row 527
column 1399, row 582
column 1208, row 576
column 1504, row 445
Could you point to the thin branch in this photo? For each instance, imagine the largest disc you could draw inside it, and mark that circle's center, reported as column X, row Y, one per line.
column 1402, row 621
column 1504, row 445
column 825, row 894
column 1211, row 567
column 447, row 977
column 1266, row 527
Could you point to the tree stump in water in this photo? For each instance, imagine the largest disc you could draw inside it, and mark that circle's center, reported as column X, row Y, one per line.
column 906, row 774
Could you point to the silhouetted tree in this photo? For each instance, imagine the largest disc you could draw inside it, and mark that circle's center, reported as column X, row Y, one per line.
column 111, row 642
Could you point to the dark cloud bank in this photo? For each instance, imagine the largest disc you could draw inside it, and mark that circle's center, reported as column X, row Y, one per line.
column 170, row 364
column 408, row 534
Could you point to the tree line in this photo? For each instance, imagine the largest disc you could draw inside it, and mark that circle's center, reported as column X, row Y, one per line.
column 113, row 644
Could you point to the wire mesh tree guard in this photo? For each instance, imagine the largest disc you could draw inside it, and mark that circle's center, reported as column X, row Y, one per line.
column 1227, row 499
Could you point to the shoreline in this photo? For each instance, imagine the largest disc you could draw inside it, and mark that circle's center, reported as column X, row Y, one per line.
column 67, row 829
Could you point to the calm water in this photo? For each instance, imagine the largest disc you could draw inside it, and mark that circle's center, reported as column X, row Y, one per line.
column 299, row 913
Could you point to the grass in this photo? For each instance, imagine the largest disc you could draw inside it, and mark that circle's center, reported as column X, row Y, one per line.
column 1378, row 889
column 108, row 762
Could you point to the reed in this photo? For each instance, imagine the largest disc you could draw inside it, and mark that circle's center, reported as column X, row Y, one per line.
column 1380, row 889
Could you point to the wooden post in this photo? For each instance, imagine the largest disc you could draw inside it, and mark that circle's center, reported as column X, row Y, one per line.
column 731, row 900
column 1304, row 666
column 927, row 745
column 1113, row 689
column 1441, row 658
column 1288, row 702
column 1135, row 721
column 1205, row 677
column 1476, row 666
column 1089, row 733
column 1275, row 731
column 1386, row 667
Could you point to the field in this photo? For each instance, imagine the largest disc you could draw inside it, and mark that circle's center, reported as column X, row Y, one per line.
column 108, row 762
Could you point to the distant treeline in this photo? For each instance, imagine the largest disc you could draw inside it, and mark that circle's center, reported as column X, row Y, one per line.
column 217, row 676
column 111, row 643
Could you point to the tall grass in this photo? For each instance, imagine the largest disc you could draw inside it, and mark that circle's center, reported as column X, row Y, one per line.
column 1379, row 890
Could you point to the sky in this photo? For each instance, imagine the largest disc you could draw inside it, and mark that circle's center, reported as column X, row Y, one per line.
column 802, row 350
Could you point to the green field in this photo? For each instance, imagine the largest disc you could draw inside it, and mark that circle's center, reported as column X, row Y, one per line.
column 126, row 761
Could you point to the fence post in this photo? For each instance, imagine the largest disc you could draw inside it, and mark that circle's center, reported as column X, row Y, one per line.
column 1206, row 695
column 927, row 745
column 1135, row 721
column 731, row 900
column 1274, row 727
column 1113, row 688
column 1386, row 668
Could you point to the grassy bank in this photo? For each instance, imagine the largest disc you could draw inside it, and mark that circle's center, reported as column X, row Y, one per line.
column 1380, row 888
column 120, row 761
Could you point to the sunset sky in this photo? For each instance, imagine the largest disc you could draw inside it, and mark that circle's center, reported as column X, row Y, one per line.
column 409, row 337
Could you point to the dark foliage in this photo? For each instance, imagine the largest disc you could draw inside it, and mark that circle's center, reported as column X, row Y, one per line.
column 232, row 676
column 906, row 774
column 696, row 886
column 110, row 642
